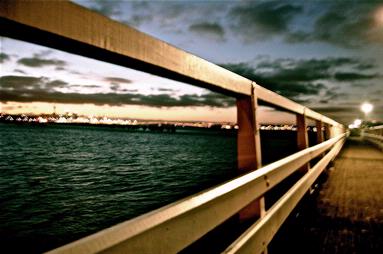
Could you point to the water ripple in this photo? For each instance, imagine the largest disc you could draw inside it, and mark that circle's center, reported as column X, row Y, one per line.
column 60, row 183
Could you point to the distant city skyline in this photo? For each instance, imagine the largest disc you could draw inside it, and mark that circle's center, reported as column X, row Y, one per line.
column 311, row 52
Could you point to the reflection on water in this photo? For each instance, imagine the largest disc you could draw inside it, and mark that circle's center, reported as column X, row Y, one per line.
column 59, row 183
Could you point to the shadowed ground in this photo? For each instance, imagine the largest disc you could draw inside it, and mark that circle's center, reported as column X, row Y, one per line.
column 346, row 216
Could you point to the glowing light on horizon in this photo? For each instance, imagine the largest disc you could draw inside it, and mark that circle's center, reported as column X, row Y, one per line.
column 366, row 107
column 355, row 124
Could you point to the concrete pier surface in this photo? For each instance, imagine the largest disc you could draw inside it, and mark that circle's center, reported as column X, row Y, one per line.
column 346, row 214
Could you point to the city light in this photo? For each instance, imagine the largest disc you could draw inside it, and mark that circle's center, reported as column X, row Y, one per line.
column 75, row 119
column 366, row 107
column 355, row 124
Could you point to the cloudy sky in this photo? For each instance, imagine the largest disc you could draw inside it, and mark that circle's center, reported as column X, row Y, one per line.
column 327, row 55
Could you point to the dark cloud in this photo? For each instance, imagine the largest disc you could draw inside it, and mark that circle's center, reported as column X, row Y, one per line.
column 23, row 84
column 290, row 83
column 344, row 110
column 305, row 69
column 170, row 15
column 37, row 61
column 117, row 80
column 218, row 100
column 115, row 87
column 112, row 99
column 107, row 8
column 347, row 24
column 3, row 57
column 352, row 76
column 89, row 86
column 115, row 83
column 336, row 109
column 209, row 30
column 29, row 89
column 262, row 20
column 137, row 20
column 20, row 82
column 365, row 66
column 341, row 114
column 56, row 84
column 295, row 78
column 19, row 71
column 166, row 90
column 60, row 68
column 332, row 95
column 164, row 14
column 128, row 90
column 337, row 27
column 344, row 23
column 80, row 86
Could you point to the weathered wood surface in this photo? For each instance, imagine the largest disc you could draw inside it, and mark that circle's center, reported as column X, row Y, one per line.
column 347, row 214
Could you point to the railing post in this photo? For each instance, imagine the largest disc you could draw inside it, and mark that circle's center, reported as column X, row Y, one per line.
column 249, row 148
column 319, row 126
column 302, row 137
column 320, row 136
column 246, row 154
column 327, row 131
column 332, row 131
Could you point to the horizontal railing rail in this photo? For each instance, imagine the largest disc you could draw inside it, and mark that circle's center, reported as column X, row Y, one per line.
column 289, row 105
column 174, row 227
column 260, row 234
column 374, row 135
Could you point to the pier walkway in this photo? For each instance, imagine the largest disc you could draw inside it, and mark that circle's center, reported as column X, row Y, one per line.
column 346, row 215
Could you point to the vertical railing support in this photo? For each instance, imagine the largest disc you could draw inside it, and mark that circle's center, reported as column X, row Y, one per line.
column 331, row 130
column 246, row 152
column 302, row 137
column 320, row 136
column 327, row 131
column 249, row 148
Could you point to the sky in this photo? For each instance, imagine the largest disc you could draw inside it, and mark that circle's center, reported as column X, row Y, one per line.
column 327, row 55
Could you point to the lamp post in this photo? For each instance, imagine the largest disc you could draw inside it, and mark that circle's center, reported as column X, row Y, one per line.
column 366, row 107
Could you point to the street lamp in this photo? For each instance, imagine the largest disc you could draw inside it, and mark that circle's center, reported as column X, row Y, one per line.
column 366, row 107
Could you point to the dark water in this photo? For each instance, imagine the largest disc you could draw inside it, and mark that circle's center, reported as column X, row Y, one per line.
column 59, row 183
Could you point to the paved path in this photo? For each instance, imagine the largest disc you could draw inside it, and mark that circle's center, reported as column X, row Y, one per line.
column 346, row 216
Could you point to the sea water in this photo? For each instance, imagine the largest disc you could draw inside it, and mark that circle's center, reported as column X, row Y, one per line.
column 59, row 183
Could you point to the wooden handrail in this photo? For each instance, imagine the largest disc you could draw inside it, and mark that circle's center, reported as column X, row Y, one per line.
column 374, row 135
column 259, row 235
column 173, row 227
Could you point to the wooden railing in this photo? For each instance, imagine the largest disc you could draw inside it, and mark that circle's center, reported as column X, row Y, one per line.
column 173, row 227
column 69, row 27
column 374, row 135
